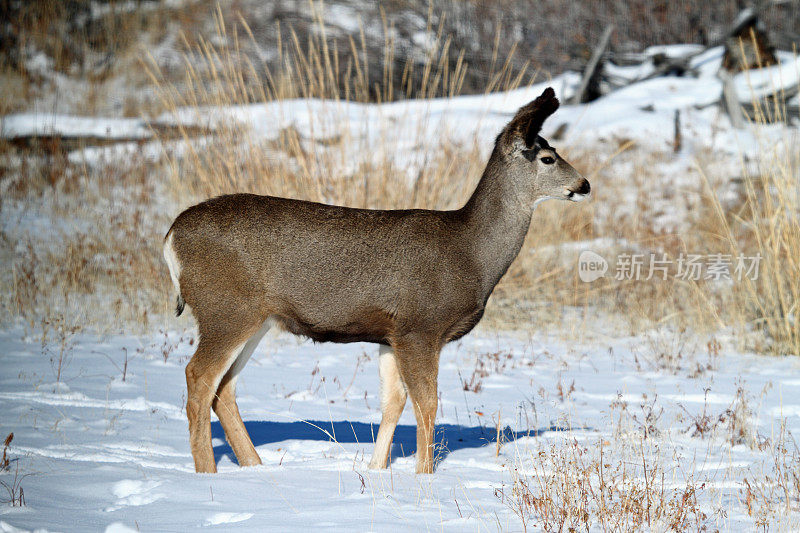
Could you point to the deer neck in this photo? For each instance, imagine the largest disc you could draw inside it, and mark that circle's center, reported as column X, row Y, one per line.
column 497, row 218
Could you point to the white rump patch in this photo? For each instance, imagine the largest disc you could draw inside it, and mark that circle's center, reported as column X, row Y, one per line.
column 172, row 262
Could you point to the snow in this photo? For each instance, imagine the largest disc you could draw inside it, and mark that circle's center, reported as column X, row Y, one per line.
column 643, row 111
column 764, row 82
column 99, row 10
column 675, row 51
column 342, row 16
column 39, row 124
column 103, row 450
column 113, row 454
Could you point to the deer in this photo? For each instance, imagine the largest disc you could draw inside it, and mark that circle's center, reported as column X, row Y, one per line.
column 409, row 280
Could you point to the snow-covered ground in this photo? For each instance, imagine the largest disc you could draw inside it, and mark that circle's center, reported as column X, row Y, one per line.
column 644, row 109
column 107, row 447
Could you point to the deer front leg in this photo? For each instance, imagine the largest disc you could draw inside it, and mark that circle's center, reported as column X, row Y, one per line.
column 393, row 400
column 418, row 363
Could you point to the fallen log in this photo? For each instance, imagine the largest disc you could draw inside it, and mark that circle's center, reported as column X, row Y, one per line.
column 592, row 67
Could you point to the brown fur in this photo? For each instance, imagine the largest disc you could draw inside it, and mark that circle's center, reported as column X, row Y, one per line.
column 412, row 280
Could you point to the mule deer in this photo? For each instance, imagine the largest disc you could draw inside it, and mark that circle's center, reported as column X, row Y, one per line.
column 409, row 280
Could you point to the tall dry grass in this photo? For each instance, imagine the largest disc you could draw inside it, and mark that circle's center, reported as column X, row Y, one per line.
column 339, row 163
column 333, row 168
column 767, row 225
column 80, row 245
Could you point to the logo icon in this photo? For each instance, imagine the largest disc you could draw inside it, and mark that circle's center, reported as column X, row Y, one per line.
column 591, row 266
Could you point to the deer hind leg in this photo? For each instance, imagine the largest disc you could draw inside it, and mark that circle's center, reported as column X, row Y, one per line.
column 214, row 356
column 224, row 403
column 418, row 363
column 393, row 400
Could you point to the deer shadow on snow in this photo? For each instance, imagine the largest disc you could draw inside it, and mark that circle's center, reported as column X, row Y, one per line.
column 448, row 437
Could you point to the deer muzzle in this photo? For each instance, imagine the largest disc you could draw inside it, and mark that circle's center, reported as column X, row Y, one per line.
column 580, row 192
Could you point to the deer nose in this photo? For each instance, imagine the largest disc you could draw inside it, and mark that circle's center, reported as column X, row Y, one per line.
column 580, row 192
column 584, row 188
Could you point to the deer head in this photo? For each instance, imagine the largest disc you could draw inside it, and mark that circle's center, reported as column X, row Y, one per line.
column 534, row 167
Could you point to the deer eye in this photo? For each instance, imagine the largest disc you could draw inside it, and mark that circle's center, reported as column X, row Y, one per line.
column 547, row 160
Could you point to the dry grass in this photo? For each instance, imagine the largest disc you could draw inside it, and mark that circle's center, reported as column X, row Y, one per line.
column 768, row 224
column 84, row 56
column 320, row 168
column 12, row 484
column 577, row 487
column 342, row 165
column 100, row 39
column 631, row 485
column 95, row 262
column 640, row 474
column 772, row 491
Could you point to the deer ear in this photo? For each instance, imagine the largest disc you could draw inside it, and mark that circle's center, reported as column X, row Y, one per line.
column 527, row 123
